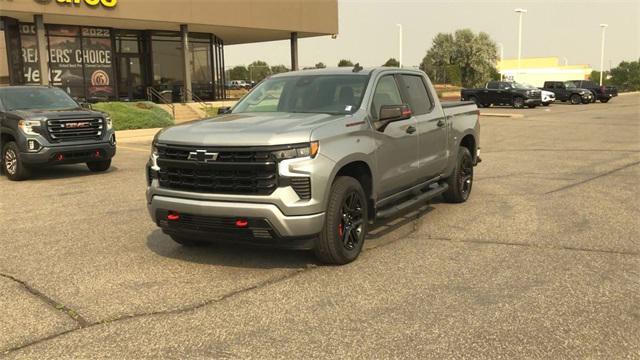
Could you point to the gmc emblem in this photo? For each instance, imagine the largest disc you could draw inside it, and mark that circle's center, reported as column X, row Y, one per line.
column 76, row 125
column 203, row 156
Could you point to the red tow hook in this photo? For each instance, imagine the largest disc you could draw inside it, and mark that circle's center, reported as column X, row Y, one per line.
column 242, row 223
column 173, row 216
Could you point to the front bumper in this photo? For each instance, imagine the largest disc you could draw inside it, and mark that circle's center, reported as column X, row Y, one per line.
column 70, row 154
column 283, row 227
column 587, row 97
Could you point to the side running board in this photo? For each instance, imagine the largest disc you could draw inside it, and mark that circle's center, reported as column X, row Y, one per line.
column 433, row 191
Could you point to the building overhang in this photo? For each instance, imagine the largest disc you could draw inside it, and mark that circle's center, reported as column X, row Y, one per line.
column 235, row 22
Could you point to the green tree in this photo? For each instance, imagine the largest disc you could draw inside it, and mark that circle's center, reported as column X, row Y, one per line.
column 258, row 70
column 277, row 69
column 392, row 62
column 345, row 63
column 627, row 75
column 320, row 65
column 239, row 73
column 473, row 55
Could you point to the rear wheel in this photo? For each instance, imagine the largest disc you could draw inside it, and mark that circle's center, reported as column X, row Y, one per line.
column 99, row 166
column 576, row 99
column 461, row 181
column 345, row 225
column 518, row 102
column 12, row 164
column 476, row 101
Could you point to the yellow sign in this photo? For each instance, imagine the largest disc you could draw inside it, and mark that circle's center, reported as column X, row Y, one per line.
column 105, row 3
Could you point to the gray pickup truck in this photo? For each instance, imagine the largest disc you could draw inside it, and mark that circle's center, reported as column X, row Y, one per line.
column 310, row 159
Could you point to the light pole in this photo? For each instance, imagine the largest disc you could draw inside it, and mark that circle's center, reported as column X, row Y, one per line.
column 520, row 12
column 604, row 27
column 501, row 58
column 400, row 44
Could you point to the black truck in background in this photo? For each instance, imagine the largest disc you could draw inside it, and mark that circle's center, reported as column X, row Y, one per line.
column 503, row 93
column 568, row 91
column 602, row 93
column 42, row 126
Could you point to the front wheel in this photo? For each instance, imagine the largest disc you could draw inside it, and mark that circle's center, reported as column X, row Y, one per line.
column 461, row 181
column 12, row 163
column 576, row 99
column 518, row 102
column 345, row 225
column 604, row 101
column 476, row 101
column 99, row 166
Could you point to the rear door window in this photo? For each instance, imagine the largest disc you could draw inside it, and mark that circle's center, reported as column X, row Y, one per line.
column 416, row 94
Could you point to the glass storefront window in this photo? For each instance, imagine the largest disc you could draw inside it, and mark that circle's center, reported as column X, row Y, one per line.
column 30, row 57
column 201, row 68
column 167, row 62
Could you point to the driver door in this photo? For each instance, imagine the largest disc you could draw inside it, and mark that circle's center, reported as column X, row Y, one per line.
column 397, row 144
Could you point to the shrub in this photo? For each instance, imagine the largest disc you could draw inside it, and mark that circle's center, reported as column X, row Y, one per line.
column 141, row 115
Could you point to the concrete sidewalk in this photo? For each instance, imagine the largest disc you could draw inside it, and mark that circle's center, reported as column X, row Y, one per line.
column 129, row 136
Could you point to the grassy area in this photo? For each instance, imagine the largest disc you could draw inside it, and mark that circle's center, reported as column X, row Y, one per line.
column 140, row 115
column 211, row 111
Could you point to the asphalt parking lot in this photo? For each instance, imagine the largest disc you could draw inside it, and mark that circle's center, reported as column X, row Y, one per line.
column 542, row 262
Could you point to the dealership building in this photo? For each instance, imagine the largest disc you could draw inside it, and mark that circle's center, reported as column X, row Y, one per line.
column 536, row 71
column 123, row 49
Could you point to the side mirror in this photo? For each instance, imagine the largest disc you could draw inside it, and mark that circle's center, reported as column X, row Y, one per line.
column 391, row 113
column 224, row 110
column 87, row 106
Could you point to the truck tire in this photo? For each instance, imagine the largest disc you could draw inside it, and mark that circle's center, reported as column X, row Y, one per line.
column 345, row 226
column 461, row 181
column 518, row 102
column 99, row 166
column 604, row 101
column 12, row 164
column 576, row 99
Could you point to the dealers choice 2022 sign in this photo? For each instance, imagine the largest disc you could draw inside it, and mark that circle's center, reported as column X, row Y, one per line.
column 80, row 58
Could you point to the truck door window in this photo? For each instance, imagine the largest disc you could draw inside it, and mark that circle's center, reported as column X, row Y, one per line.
column 492, row 85
column 416, row 93
column 505, row 86
column 386, row 93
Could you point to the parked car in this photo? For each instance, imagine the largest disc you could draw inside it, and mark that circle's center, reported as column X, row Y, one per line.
column 309, row 159
column 42, row 126
column 602, row 93
column 503, row 93
column 567, row 91
column 548, row 97
column 239, row 84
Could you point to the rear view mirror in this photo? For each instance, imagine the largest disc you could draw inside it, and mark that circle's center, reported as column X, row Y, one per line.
column 224, row 110
column 391, row 113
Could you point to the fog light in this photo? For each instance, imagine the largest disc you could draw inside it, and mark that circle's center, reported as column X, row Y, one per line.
column 33, row 145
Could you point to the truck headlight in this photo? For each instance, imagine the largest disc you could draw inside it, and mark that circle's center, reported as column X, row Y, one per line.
column 109, row 122
column 29, row 126
column 299, row 151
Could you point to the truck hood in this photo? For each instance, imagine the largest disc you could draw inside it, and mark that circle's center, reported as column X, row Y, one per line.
column 249, row 129
column 55, row 114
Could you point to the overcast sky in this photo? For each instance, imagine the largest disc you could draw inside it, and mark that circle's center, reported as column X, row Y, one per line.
column 369, row 35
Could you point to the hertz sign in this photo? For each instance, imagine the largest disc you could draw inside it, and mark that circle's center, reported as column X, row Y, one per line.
column 93, row 3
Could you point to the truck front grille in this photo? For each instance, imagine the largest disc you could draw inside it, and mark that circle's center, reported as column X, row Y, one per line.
column 229, row 171
column 75, row 129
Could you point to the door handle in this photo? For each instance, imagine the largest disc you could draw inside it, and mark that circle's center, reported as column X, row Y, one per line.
column 441, row 123
column 411, row 129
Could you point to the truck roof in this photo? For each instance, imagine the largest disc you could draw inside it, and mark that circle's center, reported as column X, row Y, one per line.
column 346, row 71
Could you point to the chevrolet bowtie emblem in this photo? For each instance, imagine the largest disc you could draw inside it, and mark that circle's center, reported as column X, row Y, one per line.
column 203, row 156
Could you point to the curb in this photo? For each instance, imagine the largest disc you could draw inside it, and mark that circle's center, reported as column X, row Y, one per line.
column 502, row 115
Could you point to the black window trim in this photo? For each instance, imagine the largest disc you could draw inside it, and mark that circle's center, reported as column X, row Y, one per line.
column 405, row 95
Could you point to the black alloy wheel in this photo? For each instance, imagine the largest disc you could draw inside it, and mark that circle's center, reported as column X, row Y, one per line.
column 465, row 176
column 351, row 226
column 518, row 102
column 576, row 99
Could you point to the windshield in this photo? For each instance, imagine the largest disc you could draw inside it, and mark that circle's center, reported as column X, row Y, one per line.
column 569, row 85
column 328, row 94
column 518, row 85
column 36, row 98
